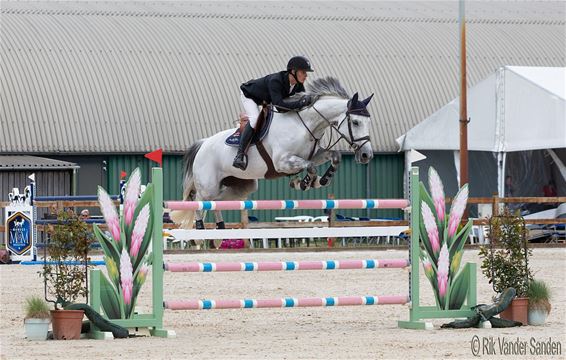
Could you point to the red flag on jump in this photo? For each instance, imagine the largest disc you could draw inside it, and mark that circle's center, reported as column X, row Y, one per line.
column 123, row 174
column 156, row 156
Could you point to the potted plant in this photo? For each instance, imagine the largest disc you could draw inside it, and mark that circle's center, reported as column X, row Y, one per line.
column 505, row 262
column 539, row 305
column 37, row 318
column 66, row 274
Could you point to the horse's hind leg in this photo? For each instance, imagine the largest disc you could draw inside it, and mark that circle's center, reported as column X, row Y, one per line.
column 235, row 191
column 219, row 219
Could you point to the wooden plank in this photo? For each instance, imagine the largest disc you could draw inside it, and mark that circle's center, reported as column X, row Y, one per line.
column 531, row 200
column 69, row 203
column 528, row 221
column 288, row 233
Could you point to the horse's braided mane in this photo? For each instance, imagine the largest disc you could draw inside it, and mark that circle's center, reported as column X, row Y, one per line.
column 326, row 86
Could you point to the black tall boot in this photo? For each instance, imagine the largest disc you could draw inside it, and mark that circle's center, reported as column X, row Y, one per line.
column 241, row 159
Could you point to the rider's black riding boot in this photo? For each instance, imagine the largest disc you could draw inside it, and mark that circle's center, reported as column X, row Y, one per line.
column 241, row 159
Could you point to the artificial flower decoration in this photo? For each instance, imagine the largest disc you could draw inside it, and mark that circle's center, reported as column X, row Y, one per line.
column 125, row 247
column 442, row 242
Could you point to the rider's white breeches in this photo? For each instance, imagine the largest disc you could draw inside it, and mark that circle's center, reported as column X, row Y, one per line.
column 251, row 109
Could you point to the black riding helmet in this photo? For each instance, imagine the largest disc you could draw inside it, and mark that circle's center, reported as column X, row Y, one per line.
column 299, row 63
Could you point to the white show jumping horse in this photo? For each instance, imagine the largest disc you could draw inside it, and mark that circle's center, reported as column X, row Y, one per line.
column 292, row 143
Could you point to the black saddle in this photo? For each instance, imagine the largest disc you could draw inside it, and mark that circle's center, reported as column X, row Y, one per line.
column 234, row 139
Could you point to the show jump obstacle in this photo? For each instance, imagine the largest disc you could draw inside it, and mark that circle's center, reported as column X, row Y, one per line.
column 417, row 313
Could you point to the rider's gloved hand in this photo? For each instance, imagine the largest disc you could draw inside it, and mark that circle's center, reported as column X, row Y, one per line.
column 306, row 100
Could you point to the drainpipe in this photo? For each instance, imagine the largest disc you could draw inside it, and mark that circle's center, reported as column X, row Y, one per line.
column 74, row 180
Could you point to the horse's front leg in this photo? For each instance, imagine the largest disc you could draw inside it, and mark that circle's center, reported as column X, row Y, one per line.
column 322, row 157
column 335, row 157
column 295, row 164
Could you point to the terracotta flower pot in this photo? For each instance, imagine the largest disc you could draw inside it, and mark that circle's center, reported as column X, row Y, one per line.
column 67, row 324
column 518, row 310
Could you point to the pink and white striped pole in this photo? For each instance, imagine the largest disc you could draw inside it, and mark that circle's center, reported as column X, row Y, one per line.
column 288, row 204
column 286, row 302
column 287, row 265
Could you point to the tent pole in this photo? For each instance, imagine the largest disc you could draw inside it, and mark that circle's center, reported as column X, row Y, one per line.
column 463, row 101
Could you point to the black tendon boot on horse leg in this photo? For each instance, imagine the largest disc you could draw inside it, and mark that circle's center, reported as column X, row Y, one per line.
column 241, row 159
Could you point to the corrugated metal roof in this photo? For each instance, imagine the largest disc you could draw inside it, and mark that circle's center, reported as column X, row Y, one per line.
column 132, row 76
column 24, row 162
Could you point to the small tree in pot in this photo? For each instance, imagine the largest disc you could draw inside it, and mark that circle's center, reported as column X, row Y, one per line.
column 37, row 318
column 505, row 261
column 65, row 278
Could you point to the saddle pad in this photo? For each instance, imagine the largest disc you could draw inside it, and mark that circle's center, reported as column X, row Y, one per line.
column 234, row 139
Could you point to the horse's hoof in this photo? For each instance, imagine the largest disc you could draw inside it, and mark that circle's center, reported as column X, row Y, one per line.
column 294, row 183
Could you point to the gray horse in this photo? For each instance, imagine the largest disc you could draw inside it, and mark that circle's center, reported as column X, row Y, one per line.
column 292, row 145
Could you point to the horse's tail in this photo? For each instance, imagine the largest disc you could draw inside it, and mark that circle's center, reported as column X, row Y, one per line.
column 185, row 218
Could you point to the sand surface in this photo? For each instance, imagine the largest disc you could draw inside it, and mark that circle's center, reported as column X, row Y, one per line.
column 361, row 332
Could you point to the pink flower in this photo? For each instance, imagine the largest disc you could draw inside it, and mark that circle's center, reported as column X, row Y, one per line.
column 110, row 214
column 132, row 194
column 139, row 230
column 430, row 226
column 442, row 275
column 457, row 210
column 126, row 277
column 437, row 191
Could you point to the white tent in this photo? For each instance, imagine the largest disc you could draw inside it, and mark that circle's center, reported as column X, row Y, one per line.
column 515, row 109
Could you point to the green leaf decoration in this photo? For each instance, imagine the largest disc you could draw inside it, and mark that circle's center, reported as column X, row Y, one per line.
column 425, row 197
column 459, row 290
column 108, row 245
column 110, row 299
column 460, row 239
column 124, row 237
column 430, row 276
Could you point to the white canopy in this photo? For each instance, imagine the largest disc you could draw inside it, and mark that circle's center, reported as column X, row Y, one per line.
column 517, row 108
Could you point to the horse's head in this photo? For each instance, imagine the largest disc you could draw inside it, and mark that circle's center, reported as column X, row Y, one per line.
column 355, row 128
column 349, row 116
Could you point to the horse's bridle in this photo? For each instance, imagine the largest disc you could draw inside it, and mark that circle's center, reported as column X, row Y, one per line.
column 351, row 141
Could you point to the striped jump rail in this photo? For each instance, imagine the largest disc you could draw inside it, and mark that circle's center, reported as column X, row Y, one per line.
column 288, row 204
column 199, row 267
column 286, row 302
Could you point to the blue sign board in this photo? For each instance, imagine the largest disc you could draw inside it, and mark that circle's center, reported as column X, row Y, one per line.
column 19, row 233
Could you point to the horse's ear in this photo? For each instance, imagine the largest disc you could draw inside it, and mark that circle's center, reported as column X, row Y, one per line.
column 366, row 101
column 354, row 100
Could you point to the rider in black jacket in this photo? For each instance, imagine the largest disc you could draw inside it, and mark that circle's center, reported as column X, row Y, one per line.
column 272, row 89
